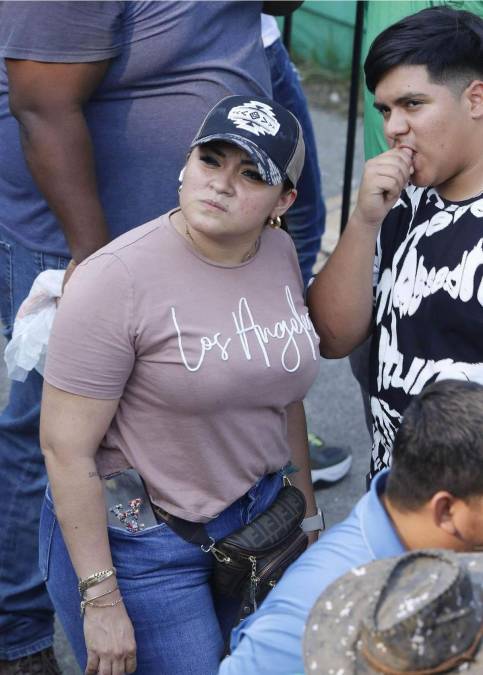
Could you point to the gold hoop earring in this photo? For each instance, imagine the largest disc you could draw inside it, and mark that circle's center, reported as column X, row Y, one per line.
column 275, row 222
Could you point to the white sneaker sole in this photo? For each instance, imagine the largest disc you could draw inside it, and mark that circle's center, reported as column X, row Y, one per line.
column 331, row 474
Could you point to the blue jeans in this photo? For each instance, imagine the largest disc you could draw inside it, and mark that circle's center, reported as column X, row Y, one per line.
column 180, row 627
column 306, row 218
column 26, row 613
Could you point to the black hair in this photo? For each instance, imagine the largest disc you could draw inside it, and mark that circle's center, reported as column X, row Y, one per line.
column 439, row 445
column 448, row 42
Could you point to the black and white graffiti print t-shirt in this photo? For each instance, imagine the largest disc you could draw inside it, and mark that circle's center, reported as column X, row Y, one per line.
column 428, row 277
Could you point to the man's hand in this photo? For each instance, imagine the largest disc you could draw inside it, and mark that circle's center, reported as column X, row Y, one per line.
column 341, row 298
column 384, row 178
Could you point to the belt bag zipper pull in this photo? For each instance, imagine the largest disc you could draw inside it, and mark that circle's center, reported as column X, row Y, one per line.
column 253, row 582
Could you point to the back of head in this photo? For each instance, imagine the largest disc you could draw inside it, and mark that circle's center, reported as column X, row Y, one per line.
column 448, row 42
column 439, row 445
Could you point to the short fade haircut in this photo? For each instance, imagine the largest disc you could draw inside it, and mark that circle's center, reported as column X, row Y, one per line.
column 439, row 445
column 448, row 42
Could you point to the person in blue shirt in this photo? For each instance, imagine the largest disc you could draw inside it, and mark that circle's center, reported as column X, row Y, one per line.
column 432, row 497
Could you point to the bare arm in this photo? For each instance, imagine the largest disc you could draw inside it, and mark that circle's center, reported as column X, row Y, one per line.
column 340, row 299
column 297, row 438
column 71, row 429
column 47, row 100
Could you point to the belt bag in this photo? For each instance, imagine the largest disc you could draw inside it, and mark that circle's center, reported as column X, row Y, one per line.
column 250, row 561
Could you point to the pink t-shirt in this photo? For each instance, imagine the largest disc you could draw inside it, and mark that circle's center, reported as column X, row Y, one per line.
column 203, row 357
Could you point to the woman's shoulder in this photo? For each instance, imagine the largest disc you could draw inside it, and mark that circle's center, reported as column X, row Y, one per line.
column 278, row 238
column 131, row 250
column 279, row 244
column 132, row 240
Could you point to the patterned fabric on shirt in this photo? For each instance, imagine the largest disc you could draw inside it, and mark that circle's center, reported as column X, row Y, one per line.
column 428, row 305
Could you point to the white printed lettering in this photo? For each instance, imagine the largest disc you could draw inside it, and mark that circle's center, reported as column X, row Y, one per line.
column 246, row 327
column 403, row 287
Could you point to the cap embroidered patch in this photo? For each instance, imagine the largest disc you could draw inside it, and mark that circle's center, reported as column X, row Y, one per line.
column 256, row 117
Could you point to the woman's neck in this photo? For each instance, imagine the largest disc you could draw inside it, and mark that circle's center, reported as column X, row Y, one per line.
column 222, row 250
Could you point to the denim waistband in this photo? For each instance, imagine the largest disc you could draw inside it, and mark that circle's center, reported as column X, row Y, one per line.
column 249, row 496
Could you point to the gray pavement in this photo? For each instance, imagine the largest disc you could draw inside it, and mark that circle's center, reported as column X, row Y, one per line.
column 330, row 132
column 334, row 407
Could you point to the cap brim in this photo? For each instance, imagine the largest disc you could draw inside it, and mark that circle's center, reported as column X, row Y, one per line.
column 269, row 171
column 331, row 640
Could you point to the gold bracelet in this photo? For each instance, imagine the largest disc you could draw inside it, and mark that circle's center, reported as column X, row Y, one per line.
column 90, row 603
column 95, row 578
column 101, row 595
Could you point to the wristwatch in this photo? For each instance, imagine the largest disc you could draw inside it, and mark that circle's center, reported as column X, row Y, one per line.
column 313, row 523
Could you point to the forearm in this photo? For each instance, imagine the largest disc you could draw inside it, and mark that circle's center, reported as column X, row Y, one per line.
column 297, row 438
column 71, row 429
column 58, row 151
column 340, row 300
column 80, row 508
column 341, row 297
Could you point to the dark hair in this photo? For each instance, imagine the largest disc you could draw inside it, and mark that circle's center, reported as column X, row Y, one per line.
column 448, row 42
column 439, row 445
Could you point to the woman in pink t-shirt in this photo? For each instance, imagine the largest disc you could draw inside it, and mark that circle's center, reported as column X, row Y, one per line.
column 178, row 361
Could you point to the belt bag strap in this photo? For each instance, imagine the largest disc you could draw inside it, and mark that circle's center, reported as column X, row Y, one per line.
column 267, row 531
column 193, row 533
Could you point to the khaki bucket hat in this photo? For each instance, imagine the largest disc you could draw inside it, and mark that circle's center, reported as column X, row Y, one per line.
column 419, row 614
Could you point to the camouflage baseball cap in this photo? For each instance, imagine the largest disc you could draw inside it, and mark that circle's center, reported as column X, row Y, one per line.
column 421, row 613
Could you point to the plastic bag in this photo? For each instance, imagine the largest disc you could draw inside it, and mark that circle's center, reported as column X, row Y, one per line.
column 31, row 331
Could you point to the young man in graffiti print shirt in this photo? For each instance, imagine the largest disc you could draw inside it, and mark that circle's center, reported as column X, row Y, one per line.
column 420, row 207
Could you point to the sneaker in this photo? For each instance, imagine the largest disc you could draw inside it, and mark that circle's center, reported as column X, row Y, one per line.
column 327, row 463
column 40, row 663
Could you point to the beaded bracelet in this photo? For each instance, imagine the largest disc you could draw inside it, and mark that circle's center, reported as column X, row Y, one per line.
column 95, row 578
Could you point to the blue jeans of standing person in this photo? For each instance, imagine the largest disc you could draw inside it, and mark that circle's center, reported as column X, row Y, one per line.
column 26, row 613
column 180, row 627
column 306, row 218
